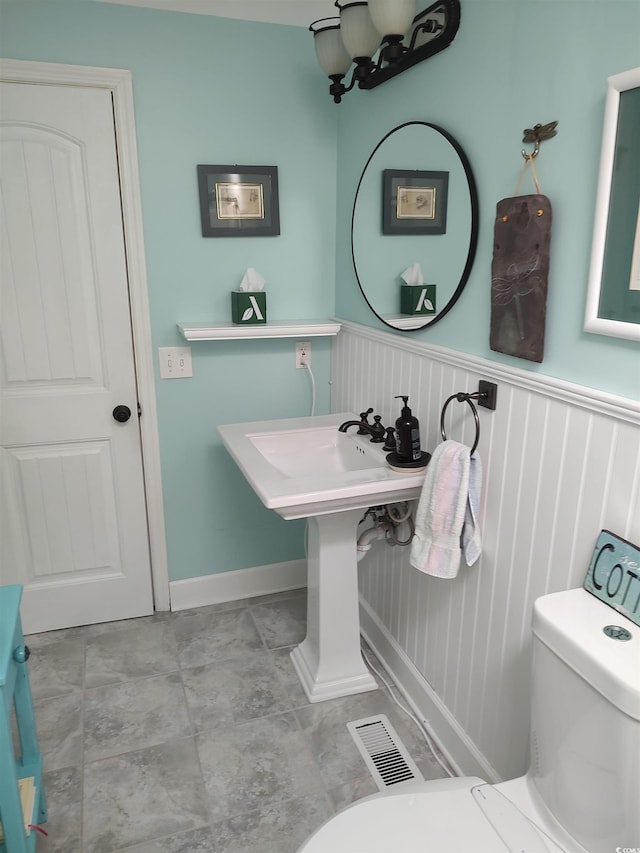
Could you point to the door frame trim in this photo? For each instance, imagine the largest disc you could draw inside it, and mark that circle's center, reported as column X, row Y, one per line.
column 119, row 82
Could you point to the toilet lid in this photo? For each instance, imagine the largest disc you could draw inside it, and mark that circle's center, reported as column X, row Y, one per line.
column 442, row 816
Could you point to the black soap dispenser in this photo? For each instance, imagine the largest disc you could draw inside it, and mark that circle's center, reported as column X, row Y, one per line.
column 407, row 434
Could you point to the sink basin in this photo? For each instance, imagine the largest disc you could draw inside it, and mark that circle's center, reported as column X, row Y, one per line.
column 313, row 451
column 303, row 467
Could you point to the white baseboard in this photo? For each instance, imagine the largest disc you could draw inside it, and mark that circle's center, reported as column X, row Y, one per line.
column 458, row 748
column 243, row 583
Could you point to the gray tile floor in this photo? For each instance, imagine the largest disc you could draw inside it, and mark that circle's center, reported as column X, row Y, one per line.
column 188, row 732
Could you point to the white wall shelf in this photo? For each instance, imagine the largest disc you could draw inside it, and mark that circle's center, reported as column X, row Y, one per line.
column 235, row 331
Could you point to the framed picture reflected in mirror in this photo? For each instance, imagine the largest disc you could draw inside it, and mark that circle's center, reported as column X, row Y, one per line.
column 414, row 202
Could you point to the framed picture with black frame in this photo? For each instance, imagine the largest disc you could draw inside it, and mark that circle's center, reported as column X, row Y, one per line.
column 414, row 202
column 239, row 201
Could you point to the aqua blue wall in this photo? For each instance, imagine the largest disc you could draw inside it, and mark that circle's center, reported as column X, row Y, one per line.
column 513, row 64
column 212, row 90
column 218, row 91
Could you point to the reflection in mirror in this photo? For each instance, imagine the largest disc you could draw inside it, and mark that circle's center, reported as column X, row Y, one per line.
column 613, row 303
column 444, row 257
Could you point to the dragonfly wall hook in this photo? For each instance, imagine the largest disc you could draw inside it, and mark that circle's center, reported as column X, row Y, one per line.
column 538, row 134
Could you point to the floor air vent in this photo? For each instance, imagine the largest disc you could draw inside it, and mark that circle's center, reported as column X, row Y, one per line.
column 384, row 753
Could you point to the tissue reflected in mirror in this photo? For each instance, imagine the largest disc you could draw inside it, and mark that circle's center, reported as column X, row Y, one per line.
column 249, row 303
column 413, row 275
column 416, row 297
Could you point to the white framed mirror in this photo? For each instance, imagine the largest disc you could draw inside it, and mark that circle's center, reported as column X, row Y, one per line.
column 613, row 298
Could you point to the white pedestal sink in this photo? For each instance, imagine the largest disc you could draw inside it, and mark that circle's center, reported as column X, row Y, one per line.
column 305, row 468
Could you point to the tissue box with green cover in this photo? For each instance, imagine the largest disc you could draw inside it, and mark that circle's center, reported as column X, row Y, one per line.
column 248, row 307
column 418, row 298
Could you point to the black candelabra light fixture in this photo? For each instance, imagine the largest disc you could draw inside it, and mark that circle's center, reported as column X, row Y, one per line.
column 382, row 38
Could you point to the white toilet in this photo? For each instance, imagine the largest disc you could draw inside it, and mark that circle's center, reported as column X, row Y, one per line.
column 582, row 789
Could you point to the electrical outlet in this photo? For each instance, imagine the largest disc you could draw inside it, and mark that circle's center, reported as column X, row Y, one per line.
column 175, row 362
column 303, row 353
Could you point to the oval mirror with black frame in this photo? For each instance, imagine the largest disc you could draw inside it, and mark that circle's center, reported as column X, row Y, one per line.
column 415, row 208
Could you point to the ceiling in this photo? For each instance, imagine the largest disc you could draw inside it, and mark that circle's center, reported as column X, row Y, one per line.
column 297, row 13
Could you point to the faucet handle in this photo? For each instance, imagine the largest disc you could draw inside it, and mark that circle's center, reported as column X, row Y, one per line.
column 390, row 440
column 363, row 419
column 377, row 430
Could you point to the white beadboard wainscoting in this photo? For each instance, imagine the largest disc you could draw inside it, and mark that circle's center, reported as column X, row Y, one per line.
column 561, row 462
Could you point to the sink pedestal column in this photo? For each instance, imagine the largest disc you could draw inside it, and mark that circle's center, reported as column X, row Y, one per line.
column 329, row 662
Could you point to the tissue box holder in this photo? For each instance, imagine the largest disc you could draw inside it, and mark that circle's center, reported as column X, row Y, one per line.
column 415, row 298
column 248, row 308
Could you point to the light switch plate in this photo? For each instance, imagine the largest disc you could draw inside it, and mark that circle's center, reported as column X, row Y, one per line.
column 175, row 362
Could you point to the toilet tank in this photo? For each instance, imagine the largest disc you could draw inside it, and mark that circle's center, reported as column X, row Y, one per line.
column 585, row 720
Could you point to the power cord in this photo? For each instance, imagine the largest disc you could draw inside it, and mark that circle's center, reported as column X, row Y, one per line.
column 313, row 410
column 313, row 388
column 411, row 716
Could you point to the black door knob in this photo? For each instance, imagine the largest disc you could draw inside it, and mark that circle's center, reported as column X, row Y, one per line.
column 122, row 414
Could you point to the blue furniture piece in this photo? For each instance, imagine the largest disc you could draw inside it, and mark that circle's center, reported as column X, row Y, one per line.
column 15, row 692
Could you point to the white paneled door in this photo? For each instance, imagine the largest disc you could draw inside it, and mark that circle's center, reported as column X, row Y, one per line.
column 73, row 523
